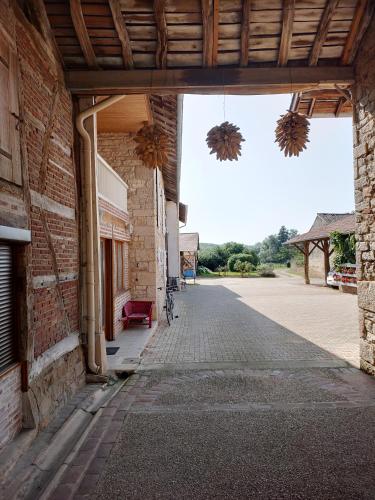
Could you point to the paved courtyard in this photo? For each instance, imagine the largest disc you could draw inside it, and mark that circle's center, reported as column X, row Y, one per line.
column 251, row 394
column 259, row 321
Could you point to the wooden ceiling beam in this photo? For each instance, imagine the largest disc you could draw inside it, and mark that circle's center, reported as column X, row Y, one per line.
column 39, row 9
column 322, row 31
column 161, row 24
column 311, row 107
column 208, row 32
column 245, row 33
column 339, row 106
column 361, row 20
column 287, row 31
column 122, row 32
column 215, row 32
column 82, row 33
column 241, row 81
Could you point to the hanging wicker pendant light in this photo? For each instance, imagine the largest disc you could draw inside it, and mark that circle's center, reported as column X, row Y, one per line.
column 292, row 133
column 225, row 140
column 153, row 146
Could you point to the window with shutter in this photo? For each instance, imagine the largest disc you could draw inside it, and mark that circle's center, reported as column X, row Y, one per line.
column 7, row 338
column 10, row 160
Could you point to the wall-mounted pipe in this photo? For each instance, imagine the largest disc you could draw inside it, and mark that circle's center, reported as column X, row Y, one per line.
column 88, row 189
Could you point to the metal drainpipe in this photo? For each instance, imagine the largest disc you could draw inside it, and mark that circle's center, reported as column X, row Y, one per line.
column 90, row 277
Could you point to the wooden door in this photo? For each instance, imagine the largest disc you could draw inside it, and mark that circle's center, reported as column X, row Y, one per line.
column 106, row 287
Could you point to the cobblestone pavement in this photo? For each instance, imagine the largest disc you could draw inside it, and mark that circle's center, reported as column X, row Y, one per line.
column 255, row 320
column 268, row 411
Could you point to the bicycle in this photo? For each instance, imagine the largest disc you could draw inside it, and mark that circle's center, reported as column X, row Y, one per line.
column 169, row 304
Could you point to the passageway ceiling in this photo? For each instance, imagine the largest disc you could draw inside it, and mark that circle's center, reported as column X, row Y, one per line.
column 208, row 46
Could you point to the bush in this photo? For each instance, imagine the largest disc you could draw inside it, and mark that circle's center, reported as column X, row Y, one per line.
column 243, row 267
column 202, row 270
column 250, row 257
column 266, row 271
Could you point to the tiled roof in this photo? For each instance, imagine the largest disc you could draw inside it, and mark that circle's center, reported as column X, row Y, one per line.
column 344, row 225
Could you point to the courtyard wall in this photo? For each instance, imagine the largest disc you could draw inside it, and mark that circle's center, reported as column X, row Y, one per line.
column 364, row 175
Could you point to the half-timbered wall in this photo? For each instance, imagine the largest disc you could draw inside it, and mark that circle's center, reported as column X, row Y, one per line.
column 364, row 174
column 38, row 192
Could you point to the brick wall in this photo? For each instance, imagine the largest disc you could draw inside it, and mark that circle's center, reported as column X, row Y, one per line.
column 364, row 174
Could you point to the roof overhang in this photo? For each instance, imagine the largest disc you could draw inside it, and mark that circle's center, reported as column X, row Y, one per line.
column 182, row 213
column 323, row 103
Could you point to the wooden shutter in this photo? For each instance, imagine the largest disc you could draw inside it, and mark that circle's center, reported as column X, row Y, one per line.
column 10, row 160
column 7, row 338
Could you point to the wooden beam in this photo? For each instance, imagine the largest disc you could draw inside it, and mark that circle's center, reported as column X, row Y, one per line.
column 286, row 33
column 215, row 32
column 207, row 23
column 301, row 249
column 326, row 260
column 306, row 261
column 311, row 107
column 161, row 24
column 39, row 11
column 322, row 31
column 360, row 23
column 296, row 98
column 339, row 106
column 240, row 81
column 122, row 33
column 245, row 33
column 82, row 34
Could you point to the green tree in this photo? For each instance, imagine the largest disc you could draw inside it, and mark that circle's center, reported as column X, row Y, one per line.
column 231, row 248
column 211, row 258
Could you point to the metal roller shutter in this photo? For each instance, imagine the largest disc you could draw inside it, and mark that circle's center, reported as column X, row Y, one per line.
column 7, row 340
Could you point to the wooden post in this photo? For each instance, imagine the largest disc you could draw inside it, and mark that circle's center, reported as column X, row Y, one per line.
column 326, row 260
column 306, row 245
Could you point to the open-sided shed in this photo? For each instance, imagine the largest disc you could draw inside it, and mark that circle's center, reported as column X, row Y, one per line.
column 319, row 237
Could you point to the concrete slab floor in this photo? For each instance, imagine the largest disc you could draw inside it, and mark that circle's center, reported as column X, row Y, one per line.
column 250, row 394
column 131, row 343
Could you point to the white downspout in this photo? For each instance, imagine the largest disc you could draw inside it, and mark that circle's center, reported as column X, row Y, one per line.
column 90, row 279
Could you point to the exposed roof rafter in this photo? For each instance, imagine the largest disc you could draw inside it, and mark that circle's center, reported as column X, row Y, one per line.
column 287, row 30
column 207, row 22
column 161, row 23
column 82, row 33
column 122, row 32
column 322, row 31
column 245, row 33
column 361, row 20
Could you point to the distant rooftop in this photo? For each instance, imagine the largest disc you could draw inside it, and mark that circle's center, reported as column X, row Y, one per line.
column 189, row 242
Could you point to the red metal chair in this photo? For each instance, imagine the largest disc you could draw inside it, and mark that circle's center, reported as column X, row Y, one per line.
column 137, row 310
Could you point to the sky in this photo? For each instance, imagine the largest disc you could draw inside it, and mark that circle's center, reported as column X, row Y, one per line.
column 247, row 200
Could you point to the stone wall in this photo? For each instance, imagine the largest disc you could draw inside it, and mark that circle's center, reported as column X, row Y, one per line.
column 10, row 404
column 118, row 150
column 44, row 200
column 160, row 235
column 364, row 175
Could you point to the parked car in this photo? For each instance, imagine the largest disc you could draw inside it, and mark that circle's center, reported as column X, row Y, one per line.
column 332, row 279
